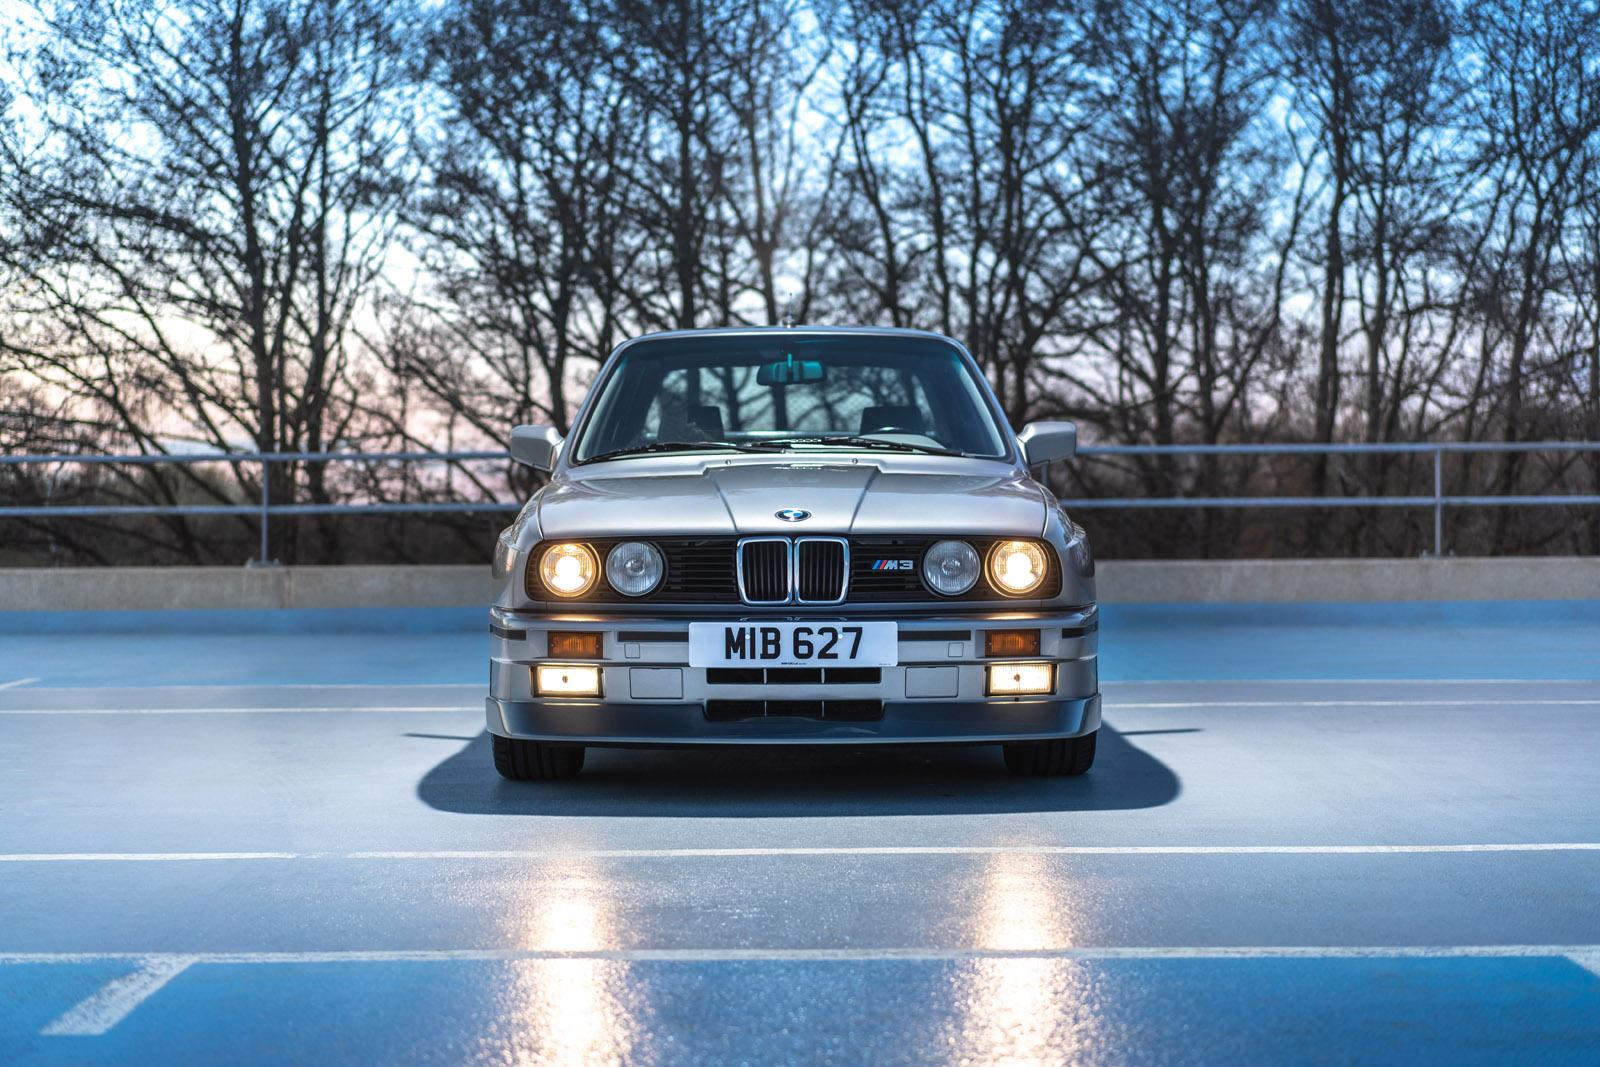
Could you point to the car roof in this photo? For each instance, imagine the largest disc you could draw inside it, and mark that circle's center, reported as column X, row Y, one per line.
column 725, row 331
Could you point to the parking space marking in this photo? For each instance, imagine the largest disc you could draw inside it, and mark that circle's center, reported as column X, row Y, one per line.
column 1589, row 961
column 565, row 855
column 384, row 709
column 1129, row 683
column 112, row 1002
column 158, row 962
column 1110, row 705
column 1354, row 702
column 299, row 685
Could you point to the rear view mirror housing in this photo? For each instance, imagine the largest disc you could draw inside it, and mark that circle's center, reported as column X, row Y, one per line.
column 535, row 446
column 1044, row 442
column 791, row 372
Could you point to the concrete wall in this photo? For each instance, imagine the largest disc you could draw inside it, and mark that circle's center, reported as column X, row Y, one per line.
column 149, row 588
column 1290, row 580
column 1120, row 581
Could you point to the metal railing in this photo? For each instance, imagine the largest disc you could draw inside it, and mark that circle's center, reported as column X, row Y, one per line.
column 265, row 510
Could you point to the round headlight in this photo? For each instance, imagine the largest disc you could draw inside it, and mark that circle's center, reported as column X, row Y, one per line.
column 1016, row 568
column 634, row 568
column 950, row 567
column 569, row 569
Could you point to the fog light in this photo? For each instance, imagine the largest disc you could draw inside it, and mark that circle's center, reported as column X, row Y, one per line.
column 1021, row 679
column 569, row 644
column 567, row 680
column 1011, row 643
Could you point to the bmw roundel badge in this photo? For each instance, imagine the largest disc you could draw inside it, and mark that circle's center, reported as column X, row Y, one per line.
column 793, row 514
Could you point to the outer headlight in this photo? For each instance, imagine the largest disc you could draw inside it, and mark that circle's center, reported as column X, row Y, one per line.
column 1017, row 568
column 950, row 567
column 569, row 569
column 634, row 568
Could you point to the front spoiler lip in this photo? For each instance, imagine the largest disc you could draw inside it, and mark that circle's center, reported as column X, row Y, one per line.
column 685, row 725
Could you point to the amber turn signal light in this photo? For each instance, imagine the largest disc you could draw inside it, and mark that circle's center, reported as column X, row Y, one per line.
column 1011, row 643
column 572, row 644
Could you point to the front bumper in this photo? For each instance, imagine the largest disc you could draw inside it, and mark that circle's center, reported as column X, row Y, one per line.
column 935, row 694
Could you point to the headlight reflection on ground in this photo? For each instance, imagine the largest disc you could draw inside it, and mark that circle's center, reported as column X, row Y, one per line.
column 1022, row 1010
column 567, row 1011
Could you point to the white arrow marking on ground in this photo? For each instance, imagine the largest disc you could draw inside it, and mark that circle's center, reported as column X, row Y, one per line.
column 112, row 1002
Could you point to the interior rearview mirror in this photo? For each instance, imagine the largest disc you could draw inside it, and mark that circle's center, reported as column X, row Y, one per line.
column 791, row 371
column 536, row 446
column 1043, row 442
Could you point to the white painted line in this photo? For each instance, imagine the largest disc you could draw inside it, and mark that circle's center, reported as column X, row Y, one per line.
column 383, row 709
column 18, row 683
column 779, row 852
column 1354, row 703
column 392, row 709
column 145, row 857
column 109, row 1005
column 1589, row 961
column 717, row 955
column 1346, row 681
column 300, row 685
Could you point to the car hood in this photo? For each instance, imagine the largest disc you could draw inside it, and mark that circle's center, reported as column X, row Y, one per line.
column 863, row 497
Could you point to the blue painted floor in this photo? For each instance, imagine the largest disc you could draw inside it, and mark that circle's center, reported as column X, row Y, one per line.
column 1323, row 834
column 1458, row 1011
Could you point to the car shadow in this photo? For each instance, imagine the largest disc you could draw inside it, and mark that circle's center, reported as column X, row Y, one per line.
column 756, row 782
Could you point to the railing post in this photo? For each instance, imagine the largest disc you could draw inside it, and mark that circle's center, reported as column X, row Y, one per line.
column 266, row 501
column 1438, row 503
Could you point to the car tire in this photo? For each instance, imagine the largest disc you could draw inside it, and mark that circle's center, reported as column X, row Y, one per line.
column 535, row 761
column 1067, row 756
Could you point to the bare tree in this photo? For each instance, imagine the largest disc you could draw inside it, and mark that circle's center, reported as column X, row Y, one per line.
column 521, row 224
column 1538, row 106
column 986, row 231
column 231, row 172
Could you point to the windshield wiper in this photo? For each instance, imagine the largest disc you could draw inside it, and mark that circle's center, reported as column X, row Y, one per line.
column 860, row 441
column 676, row 446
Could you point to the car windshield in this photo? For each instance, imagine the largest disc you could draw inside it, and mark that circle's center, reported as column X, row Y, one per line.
column 790, row 392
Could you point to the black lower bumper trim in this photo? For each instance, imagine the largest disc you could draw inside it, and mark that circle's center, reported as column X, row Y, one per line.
column 909, row 722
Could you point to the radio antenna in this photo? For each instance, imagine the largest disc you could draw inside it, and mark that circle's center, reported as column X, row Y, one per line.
column 788, row 310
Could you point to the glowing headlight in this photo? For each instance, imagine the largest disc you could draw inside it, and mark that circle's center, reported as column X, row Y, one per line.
column 634, row 568
column 569, row 569
column 1016, row 568
column 950, row 567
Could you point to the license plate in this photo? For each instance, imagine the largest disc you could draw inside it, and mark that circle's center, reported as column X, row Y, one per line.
column 793, row 644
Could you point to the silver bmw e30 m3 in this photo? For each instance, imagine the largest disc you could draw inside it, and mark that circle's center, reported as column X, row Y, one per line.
column 792, row 536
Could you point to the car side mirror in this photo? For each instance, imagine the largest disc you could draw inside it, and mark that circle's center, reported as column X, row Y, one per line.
column 536, row 446
column 1044, row 442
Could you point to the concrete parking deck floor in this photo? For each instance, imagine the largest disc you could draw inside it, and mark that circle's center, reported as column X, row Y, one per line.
column 1322, row 834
